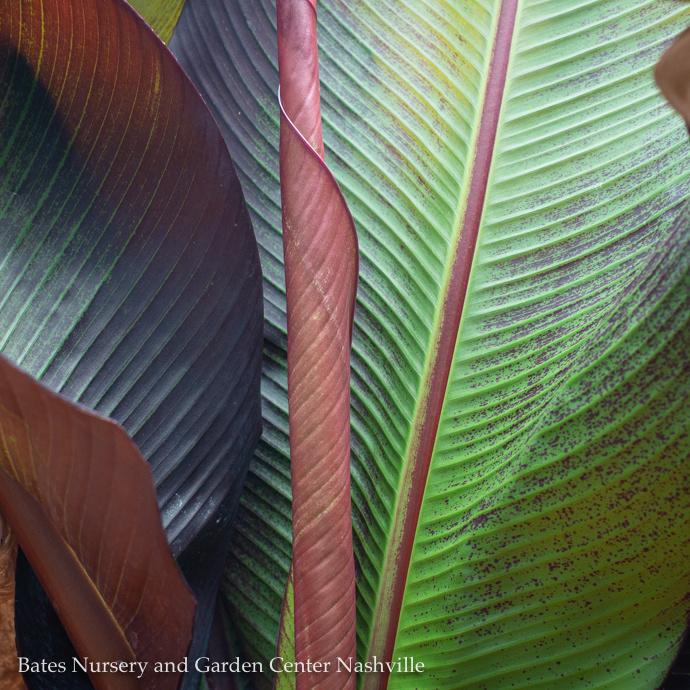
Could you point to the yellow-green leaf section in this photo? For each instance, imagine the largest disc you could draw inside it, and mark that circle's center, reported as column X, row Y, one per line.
column 541, row 560
column 285, row 656
column 160, row 15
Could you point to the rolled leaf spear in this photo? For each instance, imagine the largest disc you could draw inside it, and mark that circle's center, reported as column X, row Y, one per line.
column 321, row 265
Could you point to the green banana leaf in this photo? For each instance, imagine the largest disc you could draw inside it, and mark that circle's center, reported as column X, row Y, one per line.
column 520, row 355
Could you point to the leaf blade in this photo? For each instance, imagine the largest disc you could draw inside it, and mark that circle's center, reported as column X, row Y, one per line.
column 130, row 278
column 107, row 607
column 173, row 241
column 401, row 91
column 160, row 15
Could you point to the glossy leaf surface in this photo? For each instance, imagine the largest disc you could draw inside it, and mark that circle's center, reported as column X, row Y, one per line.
column 80, row 498
column 495, row 461
column 130, row 279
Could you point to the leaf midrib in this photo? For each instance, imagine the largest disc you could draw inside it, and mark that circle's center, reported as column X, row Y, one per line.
column 424, row 427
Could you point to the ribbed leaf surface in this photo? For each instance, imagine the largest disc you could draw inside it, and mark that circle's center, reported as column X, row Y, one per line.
column 160, row 15
column 129, row 274
column 321, row 267
column 286, row 680
column 229, row 50
column 81, row 501
column 536, row 125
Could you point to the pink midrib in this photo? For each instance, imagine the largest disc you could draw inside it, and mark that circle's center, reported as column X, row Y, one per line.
column 413, row 482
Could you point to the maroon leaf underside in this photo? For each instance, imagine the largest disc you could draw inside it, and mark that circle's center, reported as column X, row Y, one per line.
column 80, row 498
column 672, row 75
column 321, row 264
